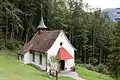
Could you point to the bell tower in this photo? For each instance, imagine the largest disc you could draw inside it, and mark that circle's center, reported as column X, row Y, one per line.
column 41, row 25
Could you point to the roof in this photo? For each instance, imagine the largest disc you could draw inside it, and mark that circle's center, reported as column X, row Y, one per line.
column 41, row 42
column 63, row 54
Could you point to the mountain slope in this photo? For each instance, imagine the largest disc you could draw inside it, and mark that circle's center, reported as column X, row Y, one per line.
column 12, row 69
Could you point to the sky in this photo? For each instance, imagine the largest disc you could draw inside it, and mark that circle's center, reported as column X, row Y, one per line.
column 103, row 3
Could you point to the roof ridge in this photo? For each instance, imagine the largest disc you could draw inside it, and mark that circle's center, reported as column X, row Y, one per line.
column 51, row 30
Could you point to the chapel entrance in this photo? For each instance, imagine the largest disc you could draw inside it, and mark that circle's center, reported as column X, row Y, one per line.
column 62, row 65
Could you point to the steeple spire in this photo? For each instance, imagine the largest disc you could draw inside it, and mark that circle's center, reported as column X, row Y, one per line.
column 41, row 24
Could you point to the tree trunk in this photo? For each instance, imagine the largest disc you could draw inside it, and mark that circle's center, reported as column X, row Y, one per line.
column 85, row 59
column 21, row 35
column 56, row 75
column 6, row 27
column 70, row 36
column 94, row 43
column 27, row 36
column 100, row 56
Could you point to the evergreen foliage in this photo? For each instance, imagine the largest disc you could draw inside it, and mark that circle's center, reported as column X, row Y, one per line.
column 90, row 32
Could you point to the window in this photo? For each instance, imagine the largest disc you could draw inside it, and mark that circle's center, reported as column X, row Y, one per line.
column 61, row 43
column 40, row 59
column 117, row 18
column 22, row 57
column 118, row 12
column 33, row 55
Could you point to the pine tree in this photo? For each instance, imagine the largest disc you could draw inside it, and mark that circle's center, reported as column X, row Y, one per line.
column 114, row 57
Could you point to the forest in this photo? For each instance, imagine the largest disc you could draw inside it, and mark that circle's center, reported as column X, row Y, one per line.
column 96, row 39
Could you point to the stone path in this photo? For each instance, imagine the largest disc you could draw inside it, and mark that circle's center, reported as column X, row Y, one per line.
column 73, row 75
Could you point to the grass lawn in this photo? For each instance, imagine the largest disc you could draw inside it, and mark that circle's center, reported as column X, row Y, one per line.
column 91, row 75
column 12, row 69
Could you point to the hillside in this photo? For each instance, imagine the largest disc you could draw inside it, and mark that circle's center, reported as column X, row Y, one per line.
column 91, row 75
column 12, row 69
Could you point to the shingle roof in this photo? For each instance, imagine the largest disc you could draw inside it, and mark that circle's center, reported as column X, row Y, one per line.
column 41, row 42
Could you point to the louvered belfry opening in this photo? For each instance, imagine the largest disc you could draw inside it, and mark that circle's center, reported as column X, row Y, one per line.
column 41, row 26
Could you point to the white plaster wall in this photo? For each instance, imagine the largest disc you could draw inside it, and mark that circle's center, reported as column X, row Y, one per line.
column 44, row 62
column 27, row 58
column 55, row 47
column 37, row 63
column 36, row 58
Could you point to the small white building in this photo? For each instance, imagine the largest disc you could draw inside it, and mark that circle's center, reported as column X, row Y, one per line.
column 43, row 45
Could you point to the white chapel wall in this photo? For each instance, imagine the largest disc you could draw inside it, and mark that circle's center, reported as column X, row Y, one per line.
column 55, row 47
column 27, row 58
column 37, row 60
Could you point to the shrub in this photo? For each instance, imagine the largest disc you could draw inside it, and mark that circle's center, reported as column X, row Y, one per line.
column 101, row 68
column 13, row 45
column 89, row 66
column 2, row 44
column 96, row 69
column 10, row 45
column 78, row 61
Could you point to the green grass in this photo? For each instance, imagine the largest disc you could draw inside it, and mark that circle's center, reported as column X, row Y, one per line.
column 12, row 69
column 91, row 75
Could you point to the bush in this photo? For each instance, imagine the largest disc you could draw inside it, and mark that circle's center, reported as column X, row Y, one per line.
column 13, row 45
column 2, row 44
column 78, row 61
column 101, row 68
column 89, row 66
column 96, row 69
column 10, row 45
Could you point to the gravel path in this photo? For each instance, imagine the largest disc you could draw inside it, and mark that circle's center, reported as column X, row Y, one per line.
column 73, row 75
